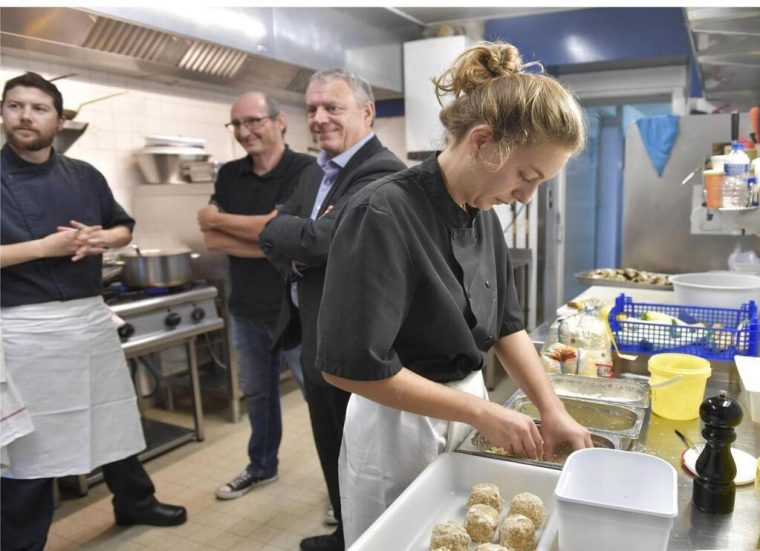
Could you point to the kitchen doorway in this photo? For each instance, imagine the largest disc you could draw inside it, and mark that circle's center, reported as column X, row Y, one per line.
column 581, row 210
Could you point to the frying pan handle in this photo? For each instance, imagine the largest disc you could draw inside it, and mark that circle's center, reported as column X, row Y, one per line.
column 105, row 97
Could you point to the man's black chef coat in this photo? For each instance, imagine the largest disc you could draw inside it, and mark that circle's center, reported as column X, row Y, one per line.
column 37, row 198
column 414, row 281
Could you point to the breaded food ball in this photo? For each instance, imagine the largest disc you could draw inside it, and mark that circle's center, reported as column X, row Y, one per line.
column 487, row 494
column 481, row 522
column 491, row 547
column 529, row 505
column 441, row 549
column 518, row 532
column 450, row 535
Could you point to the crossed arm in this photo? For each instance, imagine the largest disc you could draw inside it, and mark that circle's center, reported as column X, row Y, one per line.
column 234, row 234
column 77, row 240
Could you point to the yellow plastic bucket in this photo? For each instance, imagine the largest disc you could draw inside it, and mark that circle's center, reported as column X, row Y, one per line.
column 678, row 384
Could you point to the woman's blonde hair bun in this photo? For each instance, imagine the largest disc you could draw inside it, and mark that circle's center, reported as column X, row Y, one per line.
column 488, row 83
column 479, row 65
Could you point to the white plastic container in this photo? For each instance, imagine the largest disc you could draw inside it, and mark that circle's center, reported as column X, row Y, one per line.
column 749, row 375
column 716, row 289
column 601, row 506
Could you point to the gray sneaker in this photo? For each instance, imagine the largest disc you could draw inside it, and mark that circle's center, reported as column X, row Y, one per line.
column 241, row 484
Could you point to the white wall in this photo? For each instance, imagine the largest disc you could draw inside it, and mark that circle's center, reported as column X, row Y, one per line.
column 117, row 126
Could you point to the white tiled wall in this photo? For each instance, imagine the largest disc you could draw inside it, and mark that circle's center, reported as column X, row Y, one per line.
column 117, row 126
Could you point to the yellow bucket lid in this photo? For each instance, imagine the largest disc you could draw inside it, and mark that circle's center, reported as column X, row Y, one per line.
column 672, row 363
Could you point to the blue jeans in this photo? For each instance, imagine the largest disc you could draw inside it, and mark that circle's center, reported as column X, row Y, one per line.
column 259, row 376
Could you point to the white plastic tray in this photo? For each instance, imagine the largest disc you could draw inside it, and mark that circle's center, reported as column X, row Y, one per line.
column 440, row 494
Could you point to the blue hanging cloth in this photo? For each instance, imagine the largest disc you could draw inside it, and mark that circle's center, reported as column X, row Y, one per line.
column 659, row 133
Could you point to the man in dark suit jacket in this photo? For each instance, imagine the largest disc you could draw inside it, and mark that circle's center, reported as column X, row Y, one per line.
column 341, row 110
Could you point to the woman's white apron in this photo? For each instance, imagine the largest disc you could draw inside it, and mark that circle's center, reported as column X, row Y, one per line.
column 385, row 449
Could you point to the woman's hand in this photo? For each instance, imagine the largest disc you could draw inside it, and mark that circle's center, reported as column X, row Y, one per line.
column 558, row 427
column 511, row 430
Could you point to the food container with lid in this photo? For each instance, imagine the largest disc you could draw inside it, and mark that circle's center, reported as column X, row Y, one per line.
column 600, row 506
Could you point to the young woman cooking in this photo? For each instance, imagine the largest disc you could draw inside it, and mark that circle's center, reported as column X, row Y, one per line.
column 420, row 286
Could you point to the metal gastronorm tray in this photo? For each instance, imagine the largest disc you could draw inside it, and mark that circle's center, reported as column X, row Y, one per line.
column 520, row 402
column 582, row 277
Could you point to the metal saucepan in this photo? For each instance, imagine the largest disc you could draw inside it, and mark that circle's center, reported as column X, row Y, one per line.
column 157, row 267
column 70, row 114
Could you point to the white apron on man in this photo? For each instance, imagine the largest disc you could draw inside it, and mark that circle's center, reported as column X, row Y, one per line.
column 66, row 362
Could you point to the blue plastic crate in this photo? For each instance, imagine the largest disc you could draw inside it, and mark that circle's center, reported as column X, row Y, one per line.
column 737, row 331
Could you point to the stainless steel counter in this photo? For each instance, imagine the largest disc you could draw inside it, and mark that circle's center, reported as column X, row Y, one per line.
column 693, row 529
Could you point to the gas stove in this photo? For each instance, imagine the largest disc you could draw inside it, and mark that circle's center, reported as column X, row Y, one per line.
column 159, row 318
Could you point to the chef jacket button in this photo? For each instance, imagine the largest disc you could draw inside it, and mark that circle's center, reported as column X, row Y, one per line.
column 488, row 284
column 490, row 340
column 469, row 296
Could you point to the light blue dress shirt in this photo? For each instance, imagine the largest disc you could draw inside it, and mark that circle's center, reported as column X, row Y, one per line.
column 331, row 167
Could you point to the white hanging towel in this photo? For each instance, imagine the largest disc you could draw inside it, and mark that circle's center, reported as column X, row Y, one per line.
column 66, row 362
column 15, row 420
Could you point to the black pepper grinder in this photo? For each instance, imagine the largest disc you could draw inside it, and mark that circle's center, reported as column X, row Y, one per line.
column 714, row 489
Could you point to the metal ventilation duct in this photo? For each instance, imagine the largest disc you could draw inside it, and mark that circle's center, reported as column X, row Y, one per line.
column 212, row 60
column 188, row 47
column 115, row 37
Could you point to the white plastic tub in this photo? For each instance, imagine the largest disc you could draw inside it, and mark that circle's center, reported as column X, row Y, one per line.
column 615, row 500
column 749, row 375
column 716, row 289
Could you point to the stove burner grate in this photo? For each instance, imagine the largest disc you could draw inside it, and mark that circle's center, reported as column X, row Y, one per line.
column 119, row 293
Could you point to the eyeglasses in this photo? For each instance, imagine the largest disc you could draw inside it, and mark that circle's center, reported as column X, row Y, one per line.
column 250, row 123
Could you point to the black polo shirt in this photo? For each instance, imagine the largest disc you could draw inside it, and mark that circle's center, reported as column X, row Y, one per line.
column 414, row 281
column 37, row 198
column 257, row 286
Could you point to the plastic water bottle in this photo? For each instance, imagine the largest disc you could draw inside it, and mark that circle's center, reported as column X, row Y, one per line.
column 735, row 193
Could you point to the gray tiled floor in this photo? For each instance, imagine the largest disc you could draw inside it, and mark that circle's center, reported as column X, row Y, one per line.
column 272, row 518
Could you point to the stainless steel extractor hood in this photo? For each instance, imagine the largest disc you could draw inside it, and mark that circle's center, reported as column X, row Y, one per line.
column 186, row 46
column 726, row 44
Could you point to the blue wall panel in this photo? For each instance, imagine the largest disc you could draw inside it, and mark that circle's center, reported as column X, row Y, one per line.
column 595, row 35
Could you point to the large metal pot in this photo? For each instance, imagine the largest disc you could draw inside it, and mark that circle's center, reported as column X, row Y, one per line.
column 157, row 267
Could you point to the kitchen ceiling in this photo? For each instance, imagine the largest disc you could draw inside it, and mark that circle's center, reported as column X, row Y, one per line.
column 726, row 44
column 725, row 41
column 435, row 16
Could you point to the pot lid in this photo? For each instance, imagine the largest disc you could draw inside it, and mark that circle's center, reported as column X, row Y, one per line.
column 174, row 141
column 156, row 252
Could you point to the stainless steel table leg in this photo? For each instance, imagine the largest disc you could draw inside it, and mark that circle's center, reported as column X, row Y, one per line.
column 195, row 384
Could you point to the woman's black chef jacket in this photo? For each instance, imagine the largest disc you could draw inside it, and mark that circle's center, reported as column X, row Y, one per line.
column 410, row 284
column 36, row 198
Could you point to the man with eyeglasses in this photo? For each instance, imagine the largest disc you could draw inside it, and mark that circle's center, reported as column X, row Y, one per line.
column 246, row 194
column 341, row 110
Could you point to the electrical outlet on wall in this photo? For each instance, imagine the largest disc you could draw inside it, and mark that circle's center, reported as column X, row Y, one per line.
column 706, row 221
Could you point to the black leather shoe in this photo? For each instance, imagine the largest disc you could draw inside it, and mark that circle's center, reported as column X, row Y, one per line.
column 158, row 514
column 328, row 542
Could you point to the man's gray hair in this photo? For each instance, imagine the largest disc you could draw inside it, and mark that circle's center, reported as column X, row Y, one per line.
column 360, row 87
column 273, row 106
